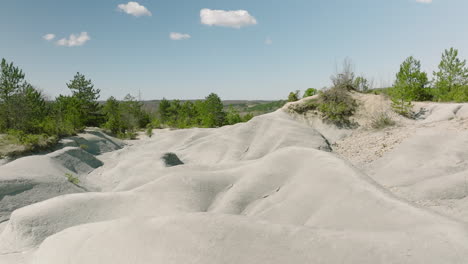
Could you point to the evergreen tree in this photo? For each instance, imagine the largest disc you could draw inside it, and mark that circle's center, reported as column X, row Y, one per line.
column 83, row 90
column 11, row 81
column 212, row 114
column 410, row 85
column 67, row 113
column 451, row 80
column 293, row 96
column 30, row 110
column 164, row 106
column 113, row 115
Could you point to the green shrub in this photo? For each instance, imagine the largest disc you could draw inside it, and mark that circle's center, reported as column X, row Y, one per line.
column 233, row 116
column 310, row 92
column 149, row 130
column 156, row 123
column 72, row 178
column 127, row 135
column 382, row 120
column 337, row 106
column 247, row 117
column 293, row 96
column 30, row 142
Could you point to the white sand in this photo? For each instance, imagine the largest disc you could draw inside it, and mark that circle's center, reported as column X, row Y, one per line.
column 268, row 191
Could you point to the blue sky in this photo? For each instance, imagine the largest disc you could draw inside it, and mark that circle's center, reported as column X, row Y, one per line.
column 280, row 46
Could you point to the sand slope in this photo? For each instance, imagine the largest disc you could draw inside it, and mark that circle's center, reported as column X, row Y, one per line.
column 267, row 191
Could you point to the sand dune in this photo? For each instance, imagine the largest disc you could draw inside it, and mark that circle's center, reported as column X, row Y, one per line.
column 273, row 190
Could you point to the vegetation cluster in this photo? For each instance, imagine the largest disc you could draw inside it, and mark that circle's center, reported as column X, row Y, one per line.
column 335, row 104
column 30, row 119
column 449, row 83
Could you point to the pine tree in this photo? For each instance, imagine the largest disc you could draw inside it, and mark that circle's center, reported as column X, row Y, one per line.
column 410, row 85
column 11, row 81
column 451, row 80
column 83, row 90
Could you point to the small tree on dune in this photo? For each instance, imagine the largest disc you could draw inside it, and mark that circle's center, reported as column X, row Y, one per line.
column 309, row 92
column 293, row 96
column 212, row 114
column 451, row 81
column 410, row 85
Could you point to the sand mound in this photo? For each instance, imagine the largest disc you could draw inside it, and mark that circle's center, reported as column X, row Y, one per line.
column 36, row 178
column 267, row 191
column 210, row 239
column 93, row 141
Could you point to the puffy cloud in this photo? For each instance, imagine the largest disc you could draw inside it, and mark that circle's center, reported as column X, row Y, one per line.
column 234, row 19
column 74, row 40
column 134, row 9
column 424, row 1
column 179, row 36
column 48, row 37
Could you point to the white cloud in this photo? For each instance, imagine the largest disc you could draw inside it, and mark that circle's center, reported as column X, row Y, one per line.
column 268, row 41
column 74, row 40
column 179, row 36
column 424, row 1
column 134, row 9
column 234, row 19
column 48, row 37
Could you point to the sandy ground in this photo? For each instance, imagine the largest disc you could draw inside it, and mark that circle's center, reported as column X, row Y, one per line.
column 280, row 188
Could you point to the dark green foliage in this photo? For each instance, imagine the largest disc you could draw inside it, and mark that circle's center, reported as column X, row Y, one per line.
column 310, row 92
column 114, row 117
column 202, row 113
column 66, row 115
column 84, row 92
column 293, row 96
column 164, row 113
column 125, row 117
column 211, row 111
column 11, row 82
column 451, row 80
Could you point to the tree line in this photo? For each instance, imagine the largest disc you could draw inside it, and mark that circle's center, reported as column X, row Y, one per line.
column 26, row 113
column 449, row 82
column 202, row 113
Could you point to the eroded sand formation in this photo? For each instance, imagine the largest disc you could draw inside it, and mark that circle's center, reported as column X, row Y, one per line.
column 282, row 188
